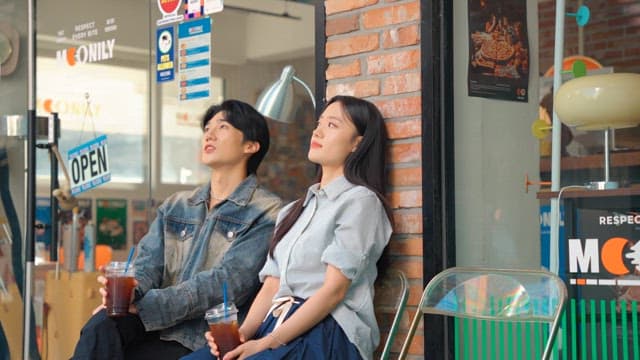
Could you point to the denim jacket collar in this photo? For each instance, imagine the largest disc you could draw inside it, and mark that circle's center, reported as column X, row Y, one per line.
column 240, row 196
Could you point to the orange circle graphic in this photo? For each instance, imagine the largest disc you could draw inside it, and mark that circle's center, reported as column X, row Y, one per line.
column 71, row 56
column 47, row 105
column 612, row 257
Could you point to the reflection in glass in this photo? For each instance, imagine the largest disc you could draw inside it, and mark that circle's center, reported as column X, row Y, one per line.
column 96, row 99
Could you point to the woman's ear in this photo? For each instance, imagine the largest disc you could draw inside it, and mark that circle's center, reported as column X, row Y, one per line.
column 356, row 143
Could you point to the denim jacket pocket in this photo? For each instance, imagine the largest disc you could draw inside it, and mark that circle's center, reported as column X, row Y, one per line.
column 225, row 231
column 230, row 228
column 178, row 237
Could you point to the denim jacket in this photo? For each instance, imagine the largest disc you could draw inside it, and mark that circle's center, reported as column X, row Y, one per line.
column 189, row 252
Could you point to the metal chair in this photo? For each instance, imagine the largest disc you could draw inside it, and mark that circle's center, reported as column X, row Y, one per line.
column 495, row 295
column 391, row 295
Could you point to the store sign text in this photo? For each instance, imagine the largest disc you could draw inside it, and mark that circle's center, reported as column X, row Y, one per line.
column 619, row 219
column 68, row 107
column 587, row 258
column 89, row 53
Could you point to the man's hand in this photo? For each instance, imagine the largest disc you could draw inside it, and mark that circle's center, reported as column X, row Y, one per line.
column 105, row 294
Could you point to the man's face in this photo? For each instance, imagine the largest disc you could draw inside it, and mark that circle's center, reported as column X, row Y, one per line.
column 223, row 145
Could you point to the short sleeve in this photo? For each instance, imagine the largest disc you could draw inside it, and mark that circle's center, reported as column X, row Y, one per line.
column 270, row 268
column 362, row 232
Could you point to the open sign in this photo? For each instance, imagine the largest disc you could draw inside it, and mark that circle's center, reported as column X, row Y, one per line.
column 89, row 164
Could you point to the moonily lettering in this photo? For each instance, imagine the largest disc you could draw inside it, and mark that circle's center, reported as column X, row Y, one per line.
column 89, row 53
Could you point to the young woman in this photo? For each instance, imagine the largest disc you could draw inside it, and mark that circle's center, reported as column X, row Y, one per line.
column 316, row 301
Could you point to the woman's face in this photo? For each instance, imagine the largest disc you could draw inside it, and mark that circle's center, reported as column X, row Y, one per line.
column 334, row 138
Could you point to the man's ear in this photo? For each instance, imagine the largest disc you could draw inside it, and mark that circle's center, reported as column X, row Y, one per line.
column 251, row 147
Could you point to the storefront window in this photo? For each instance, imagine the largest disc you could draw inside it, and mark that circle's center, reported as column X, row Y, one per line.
column 503, row 166
column 181, row 133
column 599, row 170
column 93, row 100
column 496, row 220
column 97, row 67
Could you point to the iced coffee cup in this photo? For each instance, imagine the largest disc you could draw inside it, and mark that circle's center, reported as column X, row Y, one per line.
column 120, row 284
column 223, row 324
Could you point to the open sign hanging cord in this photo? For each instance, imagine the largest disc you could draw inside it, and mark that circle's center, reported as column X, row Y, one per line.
column 88, row 114
column 89, row 162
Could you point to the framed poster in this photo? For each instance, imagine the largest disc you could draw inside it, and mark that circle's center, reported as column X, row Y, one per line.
column 111, row 217
column 498, row 50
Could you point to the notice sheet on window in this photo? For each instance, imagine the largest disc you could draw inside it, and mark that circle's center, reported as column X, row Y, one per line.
column 194, row 38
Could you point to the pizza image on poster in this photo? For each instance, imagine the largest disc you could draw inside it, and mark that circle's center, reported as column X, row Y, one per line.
column 111, row 219
column 498, row 50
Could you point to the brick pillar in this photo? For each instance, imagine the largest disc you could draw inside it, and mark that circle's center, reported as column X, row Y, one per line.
column 373, row 52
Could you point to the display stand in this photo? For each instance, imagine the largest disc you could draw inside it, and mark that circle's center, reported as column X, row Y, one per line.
column 69, row 301
column 11, row 313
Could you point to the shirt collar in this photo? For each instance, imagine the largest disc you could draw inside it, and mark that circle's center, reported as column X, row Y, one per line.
column 240, row 196
column 336, row 187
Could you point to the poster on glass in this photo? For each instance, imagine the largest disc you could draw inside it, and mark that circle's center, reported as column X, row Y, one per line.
column 498, row 50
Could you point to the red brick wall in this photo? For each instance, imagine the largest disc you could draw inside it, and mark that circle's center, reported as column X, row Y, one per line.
column 373, row 52
column 612, row 35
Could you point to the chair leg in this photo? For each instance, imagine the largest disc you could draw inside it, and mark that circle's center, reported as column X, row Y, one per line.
column 409, row 339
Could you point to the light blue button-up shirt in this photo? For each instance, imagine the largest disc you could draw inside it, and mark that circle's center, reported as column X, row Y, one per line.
column 344, row 225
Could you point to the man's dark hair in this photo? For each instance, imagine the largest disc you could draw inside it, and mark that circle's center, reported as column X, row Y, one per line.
column 249, row 121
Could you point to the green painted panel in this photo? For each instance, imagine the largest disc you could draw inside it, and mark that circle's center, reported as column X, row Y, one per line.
column 594, row 331
column 603, row 326
column 634, row 326
column 589, row 329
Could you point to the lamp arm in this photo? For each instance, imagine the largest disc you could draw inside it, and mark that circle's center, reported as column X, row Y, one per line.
column 306, row 87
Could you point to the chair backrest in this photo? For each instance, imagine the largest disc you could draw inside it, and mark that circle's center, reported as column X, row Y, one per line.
column 495, row 295
column 391, row 294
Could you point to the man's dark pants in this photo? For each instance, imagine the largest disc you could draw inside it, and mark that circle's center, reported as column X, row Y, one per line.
column 124, row 337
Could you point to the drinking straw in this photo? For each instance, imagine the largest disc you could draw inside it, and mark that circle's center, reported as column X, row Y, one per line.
column 224, row 297
column 133, row 249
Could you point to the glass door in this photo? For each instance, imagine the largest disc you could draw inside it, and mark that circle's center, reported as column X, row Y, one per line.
column 98, row 69
column 92, row 71
column 13, row 113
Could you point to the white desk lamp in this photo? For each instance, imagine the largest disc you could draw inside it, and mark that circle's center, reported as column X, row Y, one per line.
column 600, row 102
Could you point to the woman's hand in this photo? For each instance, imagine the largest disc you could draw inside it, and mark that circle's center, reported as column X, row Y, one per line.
column 214, row 347
column 247, row 349
column 212, row 344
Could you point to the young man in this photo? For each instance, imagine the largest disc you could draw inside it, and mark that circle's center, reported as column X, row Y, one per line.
column 218, row 233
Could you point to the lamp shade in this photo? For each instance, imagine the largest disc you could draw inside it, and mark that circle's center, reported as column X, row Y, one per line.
column 276, row 101
column 599, row 102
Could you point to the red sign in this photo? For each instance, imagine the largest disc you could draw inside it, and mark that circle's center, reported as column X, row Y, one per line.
column 168, row 6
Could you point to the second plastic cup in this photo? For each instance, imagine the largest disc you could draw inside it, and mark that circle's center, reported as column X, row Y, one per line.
column 120, row 284
column 224, row 327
